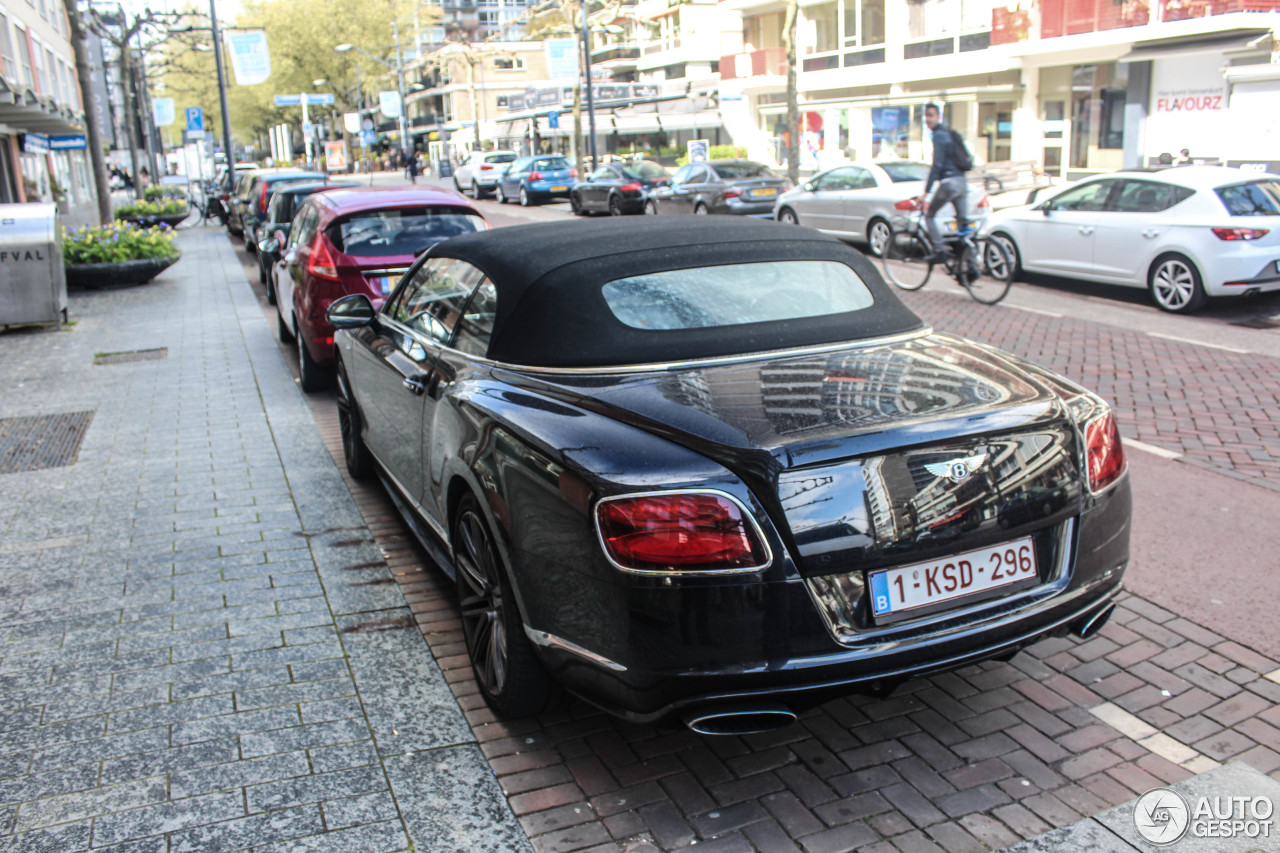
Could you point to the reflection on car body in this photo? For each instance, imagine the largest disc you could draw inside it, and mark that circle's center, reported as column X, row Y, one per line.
column 673, row 488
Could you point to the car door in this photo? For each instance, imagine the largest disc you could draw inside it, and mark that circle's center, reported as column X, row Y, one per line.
column 1058, row 234
column 823, row 207
column 511, row 178
column 1131, row 228
column 685, row 195
column 664, row 197
column 397, row 369
column 291, row 267
column 860, row 200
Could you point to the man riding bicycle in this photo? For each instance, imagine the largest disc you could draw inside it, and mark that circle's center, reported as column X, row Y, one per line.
column 950, row 162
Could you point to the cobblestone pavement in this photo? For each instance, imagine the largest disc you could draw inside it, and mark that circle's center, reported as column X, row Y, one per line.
column 200, row 648
column 1214, row 406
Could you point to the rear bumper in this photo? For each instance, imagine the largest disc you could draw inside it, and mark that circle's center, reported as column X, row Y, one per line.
column 544, row 189
column 1239, row 276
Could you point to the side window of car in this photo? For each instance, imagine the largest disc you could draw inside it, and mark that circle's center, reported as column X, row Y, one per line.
column 605, row 174
column 476, row 324
column 838, row 179
column 862, row 179
column 520, row 165
column 700, row 175
column 433, row 301
column 1147, row 197
column 304, row 225
column 681, row 175
column 1092, row 196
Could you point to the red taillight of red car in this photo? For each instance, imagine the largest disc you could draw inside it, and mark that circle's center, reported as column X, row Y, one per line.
column 535, row 176
column 679, row 532
column 633, row 187
column 908, row 204
column 322, row 262
column 1104, row 452
column 1232, row 234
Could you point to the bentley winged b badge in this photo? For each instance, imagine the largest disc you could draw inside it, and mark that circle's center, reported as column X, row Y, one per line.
column 957, row 470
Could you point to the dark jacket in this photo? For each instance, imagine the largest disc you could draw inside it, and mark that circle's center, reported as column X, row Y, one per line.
column 944, row 165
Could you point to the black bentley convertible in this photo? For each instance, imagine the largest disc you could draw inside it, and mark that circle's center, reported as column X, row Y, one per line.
column 717, row 471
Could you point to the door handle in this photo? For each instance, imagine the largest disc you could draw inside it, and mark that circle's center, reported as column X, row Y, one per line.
column 415, row 384
column 1086, row 230
column 1151, row 233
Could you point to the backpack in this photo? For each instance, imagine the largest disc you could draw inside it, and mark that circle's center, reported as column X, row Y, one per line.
column 960, row 154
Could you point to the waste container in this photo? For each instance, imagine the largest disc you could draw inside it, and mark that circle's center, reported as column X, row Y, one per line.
column 33, row 287
column 444, row 168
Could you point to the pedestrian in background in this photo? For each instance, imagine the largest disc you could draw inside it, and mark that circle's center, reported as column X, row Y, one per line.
column 950, row 162
column 1184, row 158
column 144, row 180
column 412, row 168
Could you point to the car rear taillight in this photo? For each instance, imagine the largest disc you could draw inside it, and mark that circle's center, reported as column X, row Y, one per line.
column 484, row 167
column 1104, row 452
column 908, row 204
column 731, row 193
column 573, row 173
column 322, row 263
column 632, row 187
column 535, row 176
column 985, row 204
column 1230, row 234
column 262, row 199
column 702, row 531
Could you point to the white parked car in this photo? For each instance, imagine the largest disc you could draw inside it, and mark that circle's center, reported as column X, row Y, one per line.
column 857, row 201
column 1186, row 233
column 479, row 172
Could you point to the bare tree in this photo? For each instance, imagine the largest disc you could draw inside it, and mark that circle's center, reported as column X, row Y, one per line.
column 93, row 133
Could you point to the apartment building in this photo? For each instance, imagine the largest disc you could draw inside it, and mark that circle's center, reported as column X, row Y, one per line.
column 1079, row 86
column 43, row 154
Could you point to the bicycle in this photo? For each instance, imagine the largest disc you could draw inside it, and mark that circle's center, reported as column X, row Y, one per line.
column 980, row 265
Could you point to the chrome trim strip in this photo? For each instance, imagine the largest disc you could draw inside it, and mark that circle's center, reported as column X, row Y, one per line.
column 419, row 508
column 676, row 573
column 551, row 641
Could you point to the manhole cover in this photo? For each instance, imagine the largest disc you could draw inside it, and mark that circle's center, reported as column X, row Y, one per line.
column 131, row 355
column 42, row 441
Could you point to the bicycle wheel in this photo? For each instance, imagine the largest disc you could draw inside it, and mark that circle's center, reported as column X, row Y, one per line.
column 994, row 272
column 906, row 260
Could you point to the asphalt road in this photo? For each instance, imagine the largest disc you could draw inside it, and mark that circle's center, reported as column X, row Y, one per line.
column 1205, row 542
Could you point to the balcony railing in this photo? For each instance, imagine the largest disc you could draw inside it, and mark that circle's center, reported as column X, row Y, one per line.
column 615, row 52
column 1069, row 17
column 1178, row 10
column 661, row 46
column 757, row 63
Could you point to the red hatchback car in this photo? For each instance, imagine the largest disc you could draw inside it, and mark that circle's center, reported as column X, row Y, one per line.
column 358, row 240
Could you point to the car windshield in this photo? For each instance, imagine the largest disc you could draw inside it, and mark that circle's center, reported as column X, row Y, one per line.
column 1256, row 198
column 644, row 169
column 709, row 297
column 403, row 231
column 549, row 164
column 744, row 169
column 499, row 158
column 902, row 172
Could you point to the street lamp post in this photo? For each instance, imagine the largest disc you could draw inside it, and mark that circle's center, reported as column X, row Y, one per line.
column 397, row 67
column 586, row 64
column 222, row 92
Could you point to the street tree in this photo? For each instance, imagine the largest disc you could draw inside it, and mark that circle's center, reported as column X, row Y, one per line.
column 793, row 94
column 93, row 133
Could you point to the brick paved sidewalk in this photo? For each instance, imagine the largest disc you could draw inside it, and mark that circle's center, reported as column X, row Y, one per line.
column 200, row 647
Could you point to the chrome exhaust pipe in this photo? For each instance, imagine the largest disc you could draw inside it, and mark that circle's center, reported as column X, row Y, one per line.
column 1086, row 628
column 745, row 720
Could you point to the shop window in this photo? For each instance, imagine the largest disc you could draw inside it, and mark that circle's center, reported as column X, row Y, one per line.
column 1052, row 160
column 1055, row 114
column 514, row 63
column 1097, row 110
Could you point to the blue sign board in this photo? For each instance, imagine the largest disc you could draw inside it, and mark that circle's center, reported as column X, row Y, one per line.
column 325, row 98
column 195, row 118
column 70, row 142
column 287, row 100
column 367, row 137
column 35, row 143
column 553, row 119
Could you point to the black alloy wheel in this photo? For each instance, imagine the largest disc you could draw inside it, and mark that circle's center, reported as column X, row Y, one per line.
column 507, row 671
column 615, row 206
column 351, row 425
column 575, row 204
column 312, row 376
column 502, row 197
column 701, row 209
column 651, row 208
column 787, row 216
column 269, row 279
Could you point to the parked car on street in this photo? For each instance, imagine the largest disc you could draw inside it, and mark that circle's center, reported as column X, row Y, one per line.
column 479, row 172
column 358, row 240
column 726, row 480
column 856, row 201
column 250, row 203
column 1185, row 233
column 739, row 187
column 618, row 188
column 273, row 230
column 530, row 180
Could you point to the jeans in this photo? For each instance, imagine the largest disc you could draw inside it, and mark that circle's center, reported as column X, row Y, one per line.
column 956, row 191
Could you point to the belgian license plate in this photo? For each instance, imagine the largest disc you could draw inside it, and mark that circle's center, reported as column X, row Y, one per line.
column 947, row 578
column 767, row 192
column 560, row 189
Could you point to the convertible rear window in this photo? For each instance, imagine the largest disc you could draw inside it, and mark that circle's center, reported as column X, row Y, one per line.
column 1256, row 198
column 400, row 231
column 732, row 295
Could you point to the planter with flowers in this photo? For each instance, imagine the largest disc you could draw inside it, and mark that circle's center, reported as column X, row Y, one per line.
column 116, row 254
column 167, row 211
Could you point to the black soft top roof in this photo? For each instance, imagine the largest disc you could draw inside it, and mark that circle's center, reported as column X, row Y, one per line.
column 551, row 313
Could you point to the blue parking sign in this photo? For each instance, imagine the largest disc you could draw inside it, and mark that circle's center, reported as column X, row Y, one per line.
column 195, row 118
column 553, row 119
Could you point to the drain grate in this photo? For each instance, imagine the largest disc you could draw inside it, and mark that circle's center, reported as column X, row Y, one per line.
column 42, row 441
column 131, row 356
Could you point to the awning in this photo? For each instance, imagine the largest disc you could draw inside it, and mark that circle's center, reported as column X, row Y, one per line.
column 24, row 111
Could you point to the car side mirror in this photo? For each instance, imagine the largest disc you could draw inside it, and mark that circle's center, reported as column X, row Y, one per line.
column 268, row 247
column 280, row 238
column 351, row 312
column 809, row 187
column 1045, row 209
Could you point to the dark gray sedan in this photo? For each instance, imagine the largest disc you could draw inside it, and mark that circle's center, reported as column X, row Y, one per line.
column 740, row 187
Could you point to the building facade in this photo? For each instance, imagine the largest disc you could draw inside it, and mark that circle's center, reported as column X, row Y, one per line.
column 43, row 155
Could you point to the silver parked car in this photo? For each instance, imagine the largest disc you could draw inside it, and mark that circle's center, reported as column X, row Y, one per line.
column 479, row 172
column 856, row 201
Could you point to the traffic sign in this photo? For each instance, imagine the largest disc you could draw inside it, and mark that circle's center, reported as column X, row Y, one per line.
column 195, row 118
column 323, row 98
column 367, row 138
column 367, row 124
column 553, row 119
column 287, row 100
column 195, row 135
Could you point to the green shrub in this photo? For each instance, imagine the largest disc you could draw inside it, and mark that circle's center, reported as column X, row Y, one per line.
column 117, row 242
column 139, row 209
column 153, row 193
column 718, row 152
